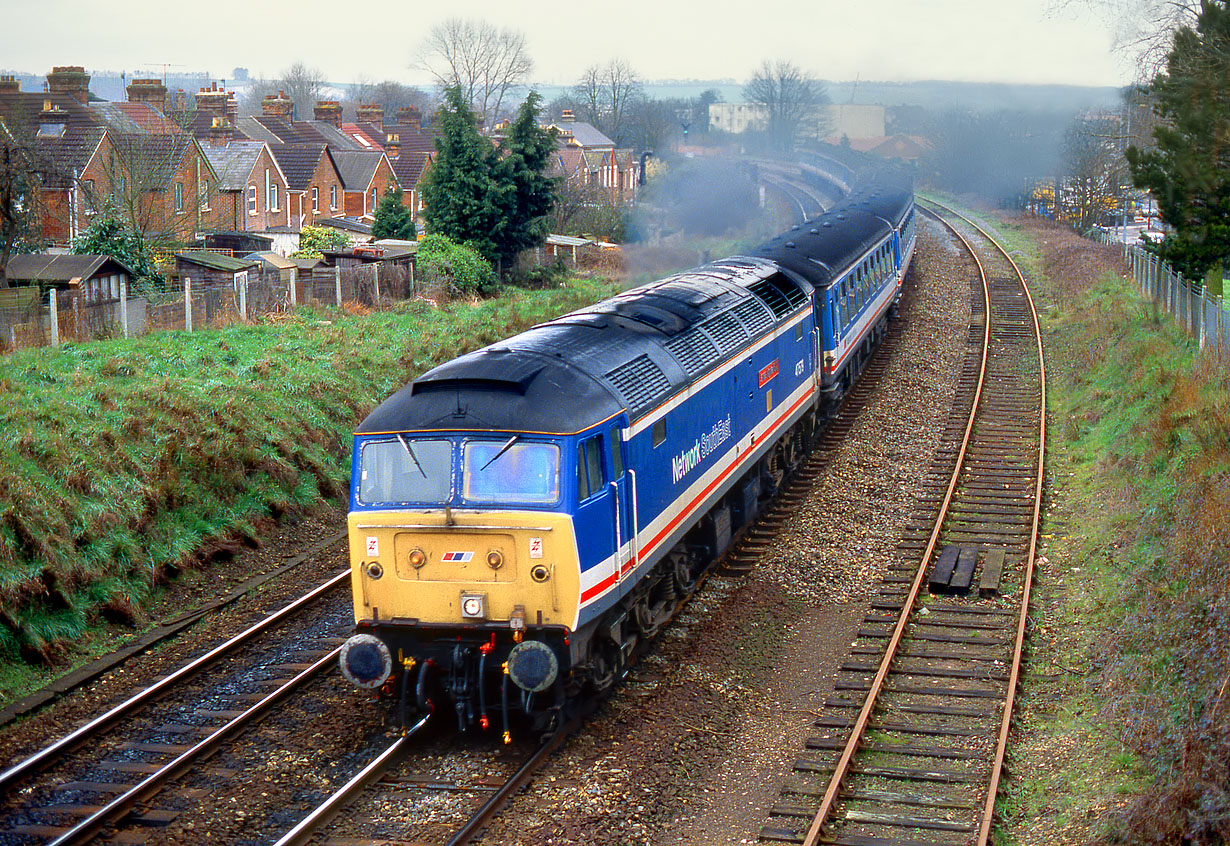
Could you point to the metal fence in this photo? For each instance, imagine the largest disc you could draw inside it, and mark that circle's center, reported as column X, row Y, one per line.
column 28, row 319
column 1200, row 313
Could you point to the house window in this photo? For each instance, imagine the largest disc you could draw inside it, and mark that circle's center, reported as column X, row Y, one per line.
column 251, row 199
column 333, row 196
column 273, row 196
column 179, row 196
column 91, row 197
column 373, row 198
column 315, row 199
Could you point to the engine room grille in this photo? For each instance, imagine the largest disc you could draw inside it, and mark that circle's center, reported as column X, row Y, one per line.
column 728, row 332
column 755, row 315
column 641, row 382
column 695, row 352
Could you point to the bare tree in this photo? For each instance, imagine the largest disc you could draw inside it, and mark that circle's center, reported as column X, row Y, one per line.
column 19, row 195
column 789, row 97
column 1143, row 29
column 606, row 95
column 487, row 63
column 389, row 94
column 304, row 86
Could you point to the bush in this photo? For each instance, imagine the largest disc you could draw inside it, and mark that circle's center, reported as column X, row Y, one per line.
column 540, row 275
column 459, row 265
column 314, row 239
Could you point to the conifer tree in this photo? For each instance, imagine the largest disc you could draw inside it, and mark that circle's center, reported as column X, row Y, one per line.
column 528, row 150
column 1189, row 170
column 462, row 198
column 393, row 219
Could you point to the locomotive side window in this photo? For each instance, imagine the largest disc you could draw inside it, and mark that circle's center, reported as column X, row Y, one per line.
column 506, row 471
column 617, row 453
column 659, row 433
column 405, row 470
column 590, row 478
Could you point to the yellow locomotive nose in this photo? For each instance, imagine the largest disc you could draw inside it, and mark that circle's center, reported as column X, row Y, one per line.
column 469, row 566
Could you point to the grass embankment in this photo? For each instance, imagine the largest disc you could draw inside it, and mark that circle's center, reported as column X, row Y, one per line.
column 1124, row 734
column 123, row 462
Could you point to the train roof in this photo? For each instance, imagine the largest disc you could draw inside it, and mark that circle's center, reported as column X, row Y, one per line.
column 816, row 250
column 631, row 351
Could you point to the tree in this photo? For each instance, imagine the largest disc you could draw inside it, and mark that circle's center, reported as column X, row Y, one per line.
column 528, row 147
column 389, row 95
column 605, row 97
column 304, row 86
column 462, row 198
column 109, row 235
column 313, row 240
column 484, row 62
column 1189, row 170
column 1092, row 171
column 19, row 197
column 789, row 97
column 393, row 220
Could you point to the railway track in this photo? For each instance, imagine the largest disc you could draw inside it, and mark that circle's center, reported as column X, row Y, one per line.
column 910, row 748
column 105, row 773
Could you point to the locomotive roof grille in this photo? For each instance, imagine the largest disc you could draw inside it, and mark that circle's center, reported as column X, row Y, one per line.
column 726, row 331
column 640, row 382
column 695, row 351
column 755, row 316
column 780, row 294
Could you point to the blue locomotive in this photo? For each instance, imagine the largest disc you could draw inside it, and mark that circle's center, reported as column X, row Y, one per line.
column 526, row 516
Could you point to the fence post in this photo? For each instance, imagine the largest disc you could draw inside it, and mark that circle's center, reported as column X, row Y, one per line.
column 124, row 303
column 294, row 283
column 376, row 278
column 187, row 304
column 243, row 298
column 337, row 283
column 54, row 305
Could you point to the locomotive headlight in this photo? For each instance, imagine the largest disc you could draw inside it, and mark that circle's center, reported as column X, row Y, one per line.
column 495, row 560
column 375, row 570
column 417, row 558
column 474, row 606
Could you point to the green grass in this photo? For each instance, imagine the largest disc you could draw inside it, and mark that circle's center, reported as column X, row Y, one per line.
column 121, row 458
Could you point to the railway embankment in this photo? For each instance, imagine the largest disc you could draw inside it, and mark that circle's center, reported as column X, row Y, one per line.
column 1123, row 731
column 126, row 462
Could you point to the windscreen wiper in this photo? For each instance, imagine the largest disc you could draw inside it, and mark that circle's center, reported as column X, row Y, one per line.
column 413, row 457
column 503, row 450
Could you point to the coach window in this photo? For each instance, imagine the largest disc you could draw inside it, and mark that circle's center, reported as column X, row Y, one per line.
column 617, row 453
column 659, row 433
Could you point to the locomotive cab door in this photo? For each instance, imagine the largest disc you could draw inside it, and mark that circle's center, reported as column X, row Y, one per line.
column 599, row 532
column 624, row 504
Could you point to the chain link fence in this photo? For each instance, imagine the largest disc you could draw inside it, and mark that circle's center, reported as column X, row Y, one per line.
column 29, row 318
column 1202, row 314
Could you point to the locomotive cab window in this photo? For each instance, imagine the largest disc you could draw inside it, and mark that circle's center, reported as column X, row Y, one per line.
column 617, row 453
column 510, row 471
column 405, row 469
column 590, row 477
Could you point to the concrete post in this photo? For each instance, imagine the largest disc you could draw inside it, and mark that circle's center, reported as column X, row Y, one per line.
column 337, row 283
column 243, row 298
column 294, row 284
column 54, row 306
column 124, row 304
column 187, row 304
column 376, row 277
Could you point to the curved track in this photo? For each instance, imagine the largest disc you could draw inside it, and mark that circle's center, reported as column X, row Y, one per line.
column 910, row 749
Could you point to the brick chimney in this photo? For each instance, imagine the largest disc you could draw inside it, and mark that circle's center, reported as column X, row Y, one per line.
column 150, row 91
column 409, row 116
column 71, row 80
column 392, row 145
column 373, row 114
column 220, row 132
column 330, row 111
column 9, row 84
column 213, row 100
column 277, row 105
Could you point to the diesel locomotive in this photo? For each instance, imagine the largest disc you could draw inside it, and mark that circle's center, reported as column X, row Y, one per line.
column 525, row 517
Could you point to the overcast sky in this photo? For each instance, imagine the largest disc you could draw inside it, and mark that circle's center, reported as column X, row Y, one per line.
column 893, row 40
